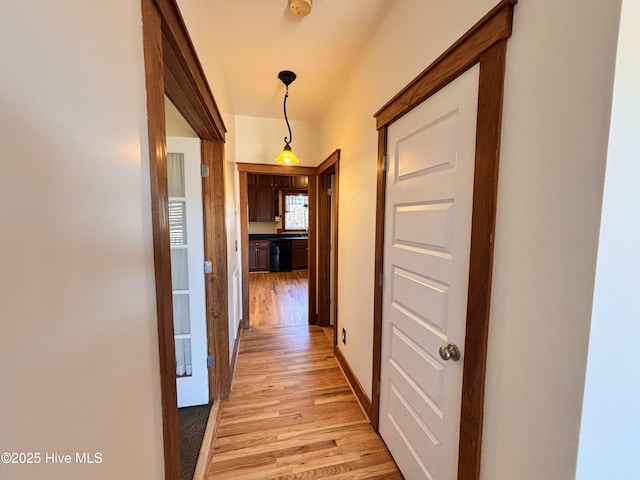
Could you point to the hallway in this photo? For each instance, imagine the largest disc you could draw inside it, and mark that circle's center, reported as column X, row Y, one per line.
column 291, row 413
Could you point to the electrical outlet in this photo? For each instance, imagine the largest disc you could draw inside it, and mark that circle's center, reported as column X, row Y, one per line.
column 344, row 336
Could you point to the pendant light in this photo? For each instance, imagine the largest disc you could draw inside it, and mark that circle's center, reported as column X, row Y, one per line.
column 287, row 157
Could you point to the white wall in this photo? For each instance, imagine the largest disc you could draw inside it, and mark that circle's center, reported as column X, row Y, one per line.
column 78, row 349
column 610, row 417
column 261, row 139
column 555, row 130
column 176, row 125
column 556, row 113
column 418, row 30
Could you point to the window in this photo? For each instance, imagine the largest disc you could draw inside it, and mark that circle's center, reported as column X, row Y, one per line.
column 296, row 211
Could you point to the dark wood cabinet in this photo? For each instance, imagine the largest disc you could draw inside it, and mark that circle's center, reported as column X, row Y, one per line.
column 261, row 203
column 252, row 201
column 264, row 205
column 264, row 181
column 258, row 255
column 300, row 252
column 300, row 182
column 263, row 194
column 281, row 182
column 261, row 198
column 251, row 180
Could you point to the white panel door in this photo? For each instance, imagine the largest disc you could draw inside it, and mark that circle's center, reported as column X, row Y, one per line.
column 427, row 244
column 187, row 275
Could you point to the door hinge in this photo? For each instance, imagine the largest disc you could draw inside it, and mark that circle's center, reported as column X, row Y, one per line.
column 385, row 163
column 211, row 361
column 329, row 191
column 328, row 247
column 204, row 170
column 207, row 266
column 378, row 387
column 381, row 279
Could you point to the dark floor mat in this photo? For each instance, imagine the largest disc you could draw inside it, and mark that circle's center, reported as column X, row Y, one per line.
column 192, row 422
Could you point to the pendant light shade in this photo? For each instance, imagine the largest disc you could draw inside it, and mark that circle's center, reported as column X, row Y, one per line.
column 287, row 157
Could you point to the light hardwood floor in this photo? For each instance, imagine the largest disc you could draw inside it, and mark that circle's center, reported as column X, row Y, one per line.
column 279, row 298
column 291, row 413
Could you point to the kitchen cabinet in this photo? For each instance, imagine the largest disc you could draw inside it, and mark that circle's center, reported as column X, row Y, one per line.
column 261, row 204
column 269, row 181
column 265, row 204
column 263, row 194
column 281, row 182
column 300, row 253
column 261, row 197
column 258, row 255
column 252, row 201
column 251, row 180
column 255, row 180
column 300, row 182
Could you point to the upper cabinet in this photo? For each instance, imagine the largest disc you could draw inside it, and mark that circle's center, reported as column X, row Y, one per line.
column 263, row 193
column 281, row 182
column 300, row 182
column 261, row 205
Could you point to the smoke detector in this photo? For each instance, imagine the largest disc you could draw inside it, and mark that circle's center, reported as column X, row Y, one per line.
column 300, row 8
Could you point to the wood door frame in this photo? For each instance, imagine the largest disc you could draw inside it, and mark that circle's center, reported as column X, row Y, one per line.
column 172, row 68
column 259, row 168
column 330, row 166
column 484, row 44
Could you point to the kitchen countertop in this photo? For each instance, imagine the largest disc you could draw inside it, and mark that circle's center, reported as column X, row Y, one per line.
column 278, row 236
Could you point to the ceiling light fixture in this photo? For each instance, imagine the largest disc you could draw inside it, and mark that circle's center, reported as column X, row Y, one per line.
column 287, row 157
column 301, row 8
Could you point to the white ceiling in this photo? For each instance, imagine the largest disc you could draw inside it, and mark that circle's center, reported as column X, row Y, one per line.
column 256, row 39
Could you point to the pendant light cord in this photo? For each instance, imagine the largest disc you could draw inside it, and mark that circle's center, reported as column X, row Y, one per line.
column 286, row 95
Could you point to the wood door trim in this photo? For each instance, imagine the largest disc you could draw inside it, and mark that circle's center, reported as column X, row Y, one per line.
column 265, row 169
column 311, row 260
column 216, row 284
column 152, row 40
column 484, row 44
column 381, row 194
column 172, row 68
column 463, row 54
column 244, row 169
column 329, row 166
column 243, row 191
column 185, row 82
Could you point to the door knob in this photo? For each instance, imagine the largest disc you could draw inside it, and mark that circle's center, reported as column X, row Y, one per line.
column 450, row 352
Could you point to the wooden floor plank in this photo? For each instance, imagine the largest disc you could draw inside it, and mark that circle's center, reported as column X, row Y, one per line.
column 291, row 413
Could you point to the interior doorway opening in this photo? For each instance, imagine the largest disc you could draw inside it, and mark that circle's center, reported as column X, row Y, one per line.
column 172, row 68
column 278, row 232
column 328, row 189
column 278, row 243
